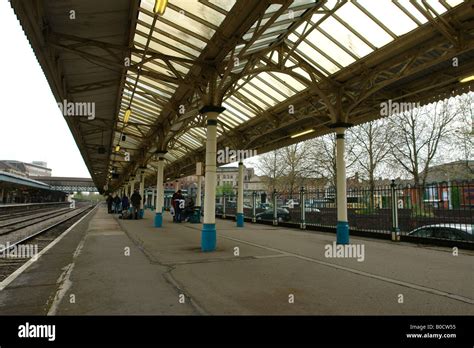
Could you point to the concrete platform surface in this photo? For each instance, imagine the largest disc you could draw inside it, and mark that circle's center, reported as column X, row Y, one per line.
column 109, row 266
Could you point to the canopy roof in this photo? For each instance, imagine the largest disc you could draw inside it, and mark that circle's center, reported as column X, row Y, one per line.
column 278, row 67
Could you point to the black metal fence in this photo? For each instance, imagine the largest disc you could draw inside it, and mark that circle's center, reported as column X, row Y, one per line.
column 442, row 211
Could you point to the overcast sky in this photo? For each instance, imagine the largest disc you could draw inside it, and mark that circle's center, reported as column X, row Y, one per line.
column 32, row 127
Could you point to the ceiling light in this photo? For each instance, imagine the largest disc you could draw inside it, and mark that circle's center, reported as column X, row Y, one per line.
column 302, row 133
column 160, row 6
column 128, row 112
column 467, row 79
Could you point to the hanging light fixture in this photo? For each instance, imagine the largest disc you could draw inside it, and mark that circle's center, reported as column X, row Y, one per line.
column 128, row 112
column 302, row 133
column 160, row 6
column 467, row 79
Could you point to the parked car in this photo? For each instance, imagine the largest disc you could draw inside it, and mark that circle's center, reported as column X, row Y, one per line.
column 219, row 208
column 307, row 209
column 231, row 204
column 445, row 231
column 264, row 205
column 282, row 215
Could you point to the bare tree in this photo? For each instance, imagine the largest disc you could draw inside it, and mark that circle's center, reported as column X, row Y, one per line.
column 418, row 134
column 371, row 149
column 464, row 130
column 269, row 164
column 322, row 157
column 295, row 166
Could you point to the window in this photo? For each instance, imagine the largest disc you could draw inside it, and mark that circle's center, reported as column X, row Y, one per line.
column 424, row 232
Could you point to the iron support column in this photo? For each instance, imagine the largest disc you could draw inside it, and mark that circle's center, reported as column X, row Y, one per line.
column 223, row 205
column 152, row 203
column 132, row 190
column 208, row 234
column 275, row 209
column 160, row 194
column 240, row 197
column 254, row 206
column 142, row 192
column 342, row 222
column 395, row 229
column 198, row 195
column 302, row 209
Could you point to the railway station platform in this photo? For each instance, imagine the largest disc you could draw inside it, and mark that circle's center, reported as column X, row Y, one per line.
column 108, row 266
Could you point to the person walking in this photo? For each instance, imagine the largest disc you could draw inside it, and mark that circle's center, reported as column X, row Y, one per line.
column 136, row 199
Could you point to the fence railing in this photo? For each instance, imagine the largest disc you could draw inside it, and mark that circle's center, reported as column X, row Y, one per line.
column 436, row 211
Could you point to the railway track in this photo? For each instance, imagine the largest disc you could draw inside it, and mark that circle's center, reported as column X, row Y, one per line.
column 34, row 242
column 14, row 215
column 30, row 220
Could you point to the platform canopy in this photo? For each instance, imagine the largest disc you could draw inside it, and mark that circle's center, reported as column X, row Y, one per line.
column 68, row 184
column 278, row 67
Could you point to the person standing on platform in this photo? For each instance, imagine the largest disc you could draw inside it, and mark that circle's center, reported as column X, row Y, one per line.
column 179, row 206
column 125, row 206
column 109, row 203
column 173, row 213
column 136, row 199
column 117, row 202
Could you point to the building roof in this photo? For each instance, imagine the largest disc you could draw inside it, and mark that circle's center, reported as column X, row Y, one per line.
column 20, row 180
column 326, row 61
column 453, row 171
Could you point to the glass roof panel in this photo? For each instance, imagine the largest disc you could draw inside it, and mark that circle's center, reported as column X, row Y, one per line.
column 164, row 28
column 256, row 96
column 454, row 3
column 302, row 73
column 197, row 10
column 224, row 117
column 436, row 5
column 333, row 51
column 266, row 93
column 228, row 113
column 163, row 48
column 243, row 113
column 317, row 59
column 281, row 87
column 390, row 15
column 161, row 88
column 413, row 11
column 180, row 19
column 267, row 83
column 224, row 4
column 345, row 37
column 363, row 24
column 183, row 48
